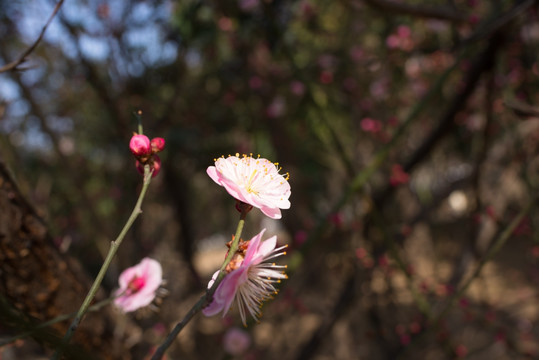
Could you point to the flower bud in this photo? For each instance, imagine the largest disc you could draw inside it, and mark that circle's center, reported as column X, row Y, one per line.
column 155, row 165
column 158, row 144
column 140, row 145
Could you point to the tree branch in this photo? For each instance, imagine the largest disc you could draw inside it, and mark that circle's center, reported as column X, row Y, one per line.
column 14, row 65
column 438, row 12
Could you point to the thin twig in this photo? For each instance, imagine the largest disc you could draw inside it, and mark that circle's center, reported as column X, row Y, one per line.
column 57, row 319
column 438, row 12
column 493, row 250
column 14, row 64
column 207, row 298
column 499, row 21
column 114, row 245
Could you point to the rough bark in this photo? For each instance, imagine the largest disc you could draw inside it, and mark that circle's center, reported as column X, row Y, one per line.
column 37, row 283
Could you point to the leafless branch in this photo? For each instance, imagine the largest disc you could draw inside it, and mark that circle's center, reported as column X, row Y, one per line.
column 499, row 22
column 521, row 108
column 14, row 65
column 434, row 12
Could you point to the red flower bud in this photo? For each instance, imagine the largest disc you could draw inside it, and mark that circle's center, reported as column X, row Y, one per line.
column 158, row 144
column 140, row 145
column 155, row 165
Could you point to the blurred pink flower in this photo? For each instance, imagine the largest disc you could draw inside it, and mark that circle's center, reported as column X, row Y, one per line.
column 140, row 145
column 300, row 237
column 370, row 125
column 326, row 77
column 403, row 31
column 297, row 88
column 255, row 181
column 236, row 341
column 276, row 108
column 249, row 5
column 392, row 41
column 138, row 285
column 398, row 175
column 249, row 280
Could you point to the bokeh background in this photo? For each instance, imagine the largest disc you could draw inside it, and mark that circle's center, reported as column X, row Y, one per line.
column 409, row 129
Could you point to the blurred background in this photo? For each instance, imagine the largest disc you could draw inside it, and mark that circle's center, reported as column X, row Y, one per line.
column 409, row 128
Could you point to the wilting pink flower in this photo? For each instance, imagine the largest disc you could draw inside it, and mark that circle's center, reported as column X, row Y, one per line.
column 158, row 144
column 138, row 285
column 254, row 181
column 236, row 341
column 140, row 145
column 250, row 279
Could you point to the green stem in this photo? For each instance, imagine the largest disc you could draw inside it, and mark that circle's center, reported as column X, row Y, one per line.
column 114, row 245
column 207, row 298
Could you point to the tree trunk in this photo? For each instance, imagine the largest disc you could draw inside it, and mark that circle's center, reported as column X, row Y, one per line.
column 37, row 283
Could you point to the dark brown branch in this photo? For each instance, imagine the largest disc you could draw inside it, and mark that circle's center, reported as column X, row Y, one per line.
column 499, row 22
column 438, row 12
column 484, row 63
column 14, row 65
column 521, row 108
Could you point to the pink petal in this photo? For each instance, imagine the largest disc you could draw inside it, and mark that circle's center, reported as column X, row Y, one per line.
column 133, row 302
column 212, row 309
column 274, row 213
column 267, row 246
column 213, row 174
column 217, row 304
column 230, row 286
column 253, row 248
column 153, row 274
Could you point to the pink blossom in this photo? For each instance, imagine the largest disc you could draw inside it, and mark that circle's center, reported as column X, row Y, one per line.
column 138, row 285
column 255, row 181
column 250, row 279
column 236, row 341
column 140, row 145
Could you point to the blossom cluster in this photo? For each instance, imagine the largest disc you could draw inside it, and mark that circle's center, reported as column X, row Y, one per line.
column 250, row 276
column 145, row 151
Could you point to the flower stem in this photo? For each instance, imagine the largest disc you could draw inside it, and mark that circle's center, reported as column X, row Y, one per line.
column 207, row 298
column 114, row 245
